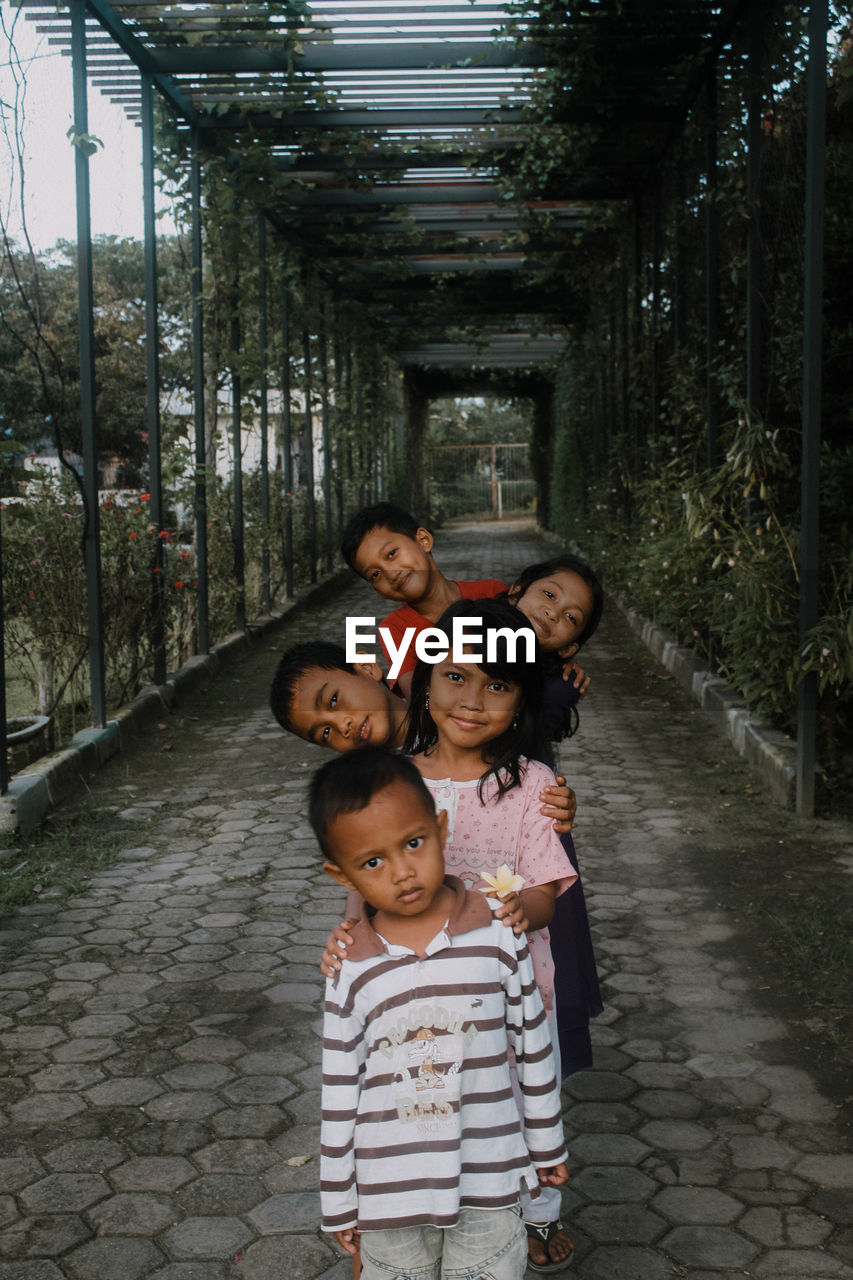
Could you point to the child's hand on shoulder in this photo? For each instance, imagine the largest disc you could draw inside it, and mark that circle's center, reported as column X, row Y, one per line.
column 336, row 945
column 511, row 912
column 577, row 676
column 560, row 803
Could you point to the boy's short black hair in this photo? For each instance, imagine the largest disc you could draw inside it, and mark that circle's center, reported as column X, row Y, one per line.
column 294, row 664
column 348, row 783
column 384, row 515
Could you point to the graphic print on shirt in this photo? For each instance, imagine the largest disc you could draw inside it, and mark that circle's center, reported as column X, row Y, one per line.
column 425, row 1071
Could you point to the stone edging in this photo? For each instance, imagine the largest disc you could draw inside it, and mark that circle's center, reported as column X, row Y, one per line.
column 772, row 753
column 44, row 785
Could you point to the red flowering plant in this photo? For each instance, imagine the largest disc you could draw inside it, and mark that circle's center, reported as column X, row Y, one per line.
column 47, row 640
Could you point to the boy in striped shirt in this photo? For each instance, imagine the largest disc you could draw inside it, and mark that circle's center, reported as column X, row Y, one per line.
column 424, row 1147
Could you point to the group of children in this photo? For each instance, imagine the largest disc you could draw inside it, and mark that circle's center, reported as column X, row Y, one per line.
column 450, row 1012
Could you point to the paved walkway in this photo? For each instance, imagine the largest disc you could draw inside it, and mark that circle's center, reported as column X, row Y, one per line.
column 161, row 1099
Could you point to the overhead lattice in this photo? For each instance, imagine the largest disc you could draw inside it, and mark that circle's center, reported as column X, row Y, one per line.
column 400, row 123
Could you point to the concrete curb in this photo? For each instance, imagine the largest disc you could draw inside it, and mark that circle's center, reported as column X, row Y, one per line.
column 772, row 754
column 47, row 782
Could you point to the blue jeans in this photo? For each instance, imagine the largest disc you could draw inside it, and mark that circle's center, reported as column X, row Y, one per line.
column 485, row 1244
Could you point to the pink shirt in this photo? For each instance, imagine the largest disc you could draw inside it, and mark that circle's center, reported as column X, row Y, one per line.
column 482, row 836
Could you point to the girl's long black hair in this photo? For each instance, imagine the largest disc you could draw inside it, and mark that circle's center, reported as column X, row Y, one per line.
column 565, row 724
column 505, row 752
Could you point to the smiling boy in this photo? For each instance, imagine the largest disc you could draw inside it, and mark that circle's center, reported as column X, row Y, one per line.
column 393, row 553
column 423, row 1149
column 324, row 699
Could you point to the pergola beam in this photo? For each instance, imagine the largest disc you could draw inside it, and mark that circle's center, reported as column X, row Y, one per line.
column 318, row 58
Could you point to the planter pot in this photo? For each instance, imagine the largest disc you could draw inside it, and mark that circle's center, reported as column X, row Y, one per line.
column 27, row 738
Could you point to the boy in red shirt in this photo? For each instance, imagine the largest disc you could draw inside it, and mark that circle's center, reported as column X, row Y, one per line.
column 390, row 550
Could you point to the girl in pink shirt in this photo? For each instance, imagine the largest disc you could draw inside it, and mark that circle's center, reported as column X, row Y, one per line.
column 473, row 727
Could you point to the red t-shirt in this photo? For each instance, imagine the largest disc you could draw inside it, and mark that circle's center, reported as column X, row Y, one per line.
column 400, row 619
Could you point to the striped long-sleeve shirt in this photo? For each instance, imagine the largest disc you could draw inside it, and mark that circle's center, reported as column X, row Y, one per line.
column 419, row 1118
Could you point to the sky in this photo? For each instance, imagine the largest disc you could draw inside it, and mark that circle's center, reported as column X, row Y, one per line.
column 115, row 171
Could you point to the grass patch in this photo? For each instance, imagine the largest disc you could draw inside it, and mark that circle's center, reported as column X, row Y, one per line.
column 55, row 860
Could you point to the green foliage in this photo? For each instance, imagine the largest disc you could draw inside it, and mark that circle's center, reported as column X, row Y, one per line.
column 714, row 557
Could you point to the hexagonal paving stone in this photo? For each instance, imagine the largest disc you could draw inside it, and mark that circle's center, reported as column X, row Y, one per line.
column 126, row 1091
column 211, row 1049
column 100, row 1024
column 134, row 1213
column 222, row 1193
column 46, row 1235
column 675, row 1135
column 287, row 1213
column 775, row 1228
column 207, row 1237
column 800, row 1264
column 113, row 1258
column 85, row 1155
column 697, row 1205
column 607, row 1148
column 667, row 1104
column 661, row 1075
column 87, row 1049
column 192, row 1271
column 624, row 1262
column 19, row 1171
column 259, row 1089
column 189, row 1105
column 619, row 1224
column 57, row 1077
column 249, row 1122
column 153, row 1173
column 64, row 1192
column 827, row 1170
column 707, row 1246
column 613, row 1183
column 37, row 1037
column 198, row 1075
column 598, row 1117
column 44, row 1109
column 761, row 1153
column 296, row 1257
column 39, row 1269
column 236, row 1155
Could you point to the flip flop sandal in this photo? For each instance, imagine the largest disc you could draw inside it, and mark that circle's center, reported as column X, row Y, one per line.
column 544, row 1233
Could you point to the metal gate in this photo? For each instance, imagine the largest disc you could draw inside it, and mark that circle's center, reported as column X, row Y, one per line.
column 481, row 480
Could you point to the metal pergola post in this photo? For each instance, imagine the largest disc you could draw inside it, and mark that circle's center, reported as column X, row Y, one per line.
column 812, row 357
column 311, row 508
column 712, row 269
column 86, row 324
column 339, row 430
column 266, row 597
column 4, row 763
column 637, row 325
column 198, row 399
column 328, row 531
column 237, row 454
column 348, row 381
column 657, row 217
column 286, row 441
column 754, row 106
column 152, row 385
